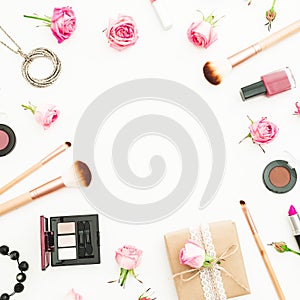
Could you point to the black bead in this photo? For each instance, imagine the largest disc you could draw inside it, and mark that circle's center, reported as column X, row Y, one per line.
column 4, row 297
column 4, row 250
column 19, row 287
column 14, row 255
column 21, row 277
column 23, row 266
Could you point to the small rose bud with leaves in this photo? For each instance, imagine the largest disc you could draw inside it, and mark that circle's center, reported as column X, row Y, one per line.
column 282, row 247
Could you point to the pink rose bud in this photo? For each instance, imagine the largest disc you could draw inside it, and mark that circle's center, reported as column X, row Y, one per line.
column 128, row 257
column 263, row 131
column 122, row 32
column 202, row 34
column 192, row 255
column 63, row 23
column 72, row 295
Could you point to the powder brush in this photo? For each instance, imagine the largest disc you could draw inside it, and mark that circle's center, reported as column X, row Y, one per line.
column 214, row 72
column 77, row 175
column 35, row 167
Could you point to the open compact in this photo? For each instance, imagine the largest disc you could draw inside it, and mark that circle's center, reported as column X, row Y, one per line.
column 70, row 240
column 7, row 139
column 279, row 177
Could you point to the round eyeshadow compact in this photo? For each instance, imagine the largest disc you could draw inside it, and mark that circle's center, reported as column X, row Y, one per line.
column 7, row 140
column 279, row 177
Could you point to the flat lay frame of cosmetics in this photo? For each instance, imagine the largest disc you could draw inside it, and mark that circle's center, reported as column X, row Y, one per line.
column 57, row 178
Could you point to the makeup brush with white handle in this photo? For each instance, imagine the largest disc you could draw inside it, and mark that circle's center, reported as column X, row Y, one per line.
column 77, row 175
column 215, row 71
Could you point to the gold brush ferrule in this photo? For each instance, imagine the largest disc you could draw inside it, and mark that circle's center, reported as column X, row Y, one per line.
column 47, row 188
column 55, row 153
column 243, row 55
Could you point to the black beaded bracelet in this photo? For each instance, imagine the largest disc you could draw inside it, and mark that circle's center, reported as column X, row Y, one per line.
column 21, row 277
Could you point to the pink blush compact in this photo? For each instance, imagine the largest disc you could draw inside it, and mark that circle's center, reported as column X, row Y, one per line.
column 7, row 140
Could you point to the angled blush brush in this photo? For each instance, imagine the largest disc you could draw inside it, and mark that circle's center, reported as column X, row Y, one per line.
column 77, row 175
column 214, row 72
column 36, row 166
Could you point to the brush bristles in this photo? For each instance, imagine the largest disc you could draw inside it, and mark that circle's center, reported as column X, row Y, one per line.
column 215, row 71
column 78, row 175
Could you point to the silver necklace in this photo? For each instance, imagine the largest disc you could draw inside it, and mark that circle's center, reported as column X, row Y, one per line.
column 30, row 57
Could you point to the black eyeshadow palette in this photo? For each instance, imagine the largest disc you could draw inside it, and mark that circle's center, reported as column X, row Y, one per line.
column 71, row 240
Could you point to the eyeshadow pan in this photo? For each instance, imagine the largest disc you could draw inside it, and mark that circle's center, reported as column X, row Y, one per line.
column 66, row 227
column 279, row 177
column 66, row 253
column 4, row 139
column 66, row 240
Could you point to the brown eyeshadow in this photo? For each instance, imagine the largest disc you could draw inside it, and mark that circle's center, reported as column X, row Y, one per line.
column 280, row 176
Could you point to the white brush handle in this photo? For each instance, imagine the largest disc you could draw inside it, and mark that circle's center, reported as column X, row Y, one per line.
column 263, row 44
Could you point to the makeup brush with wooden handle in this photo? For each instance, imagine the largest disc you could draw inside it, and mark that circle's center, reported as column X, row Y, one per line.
column 78, row 175
column 215, row 71
column 36, row 166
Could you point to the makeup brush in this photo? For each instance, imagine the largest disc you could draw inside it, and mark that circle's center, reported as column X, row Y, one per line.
column 214, row 72
column 36, row 166
column 77, row 175
column 262, row 251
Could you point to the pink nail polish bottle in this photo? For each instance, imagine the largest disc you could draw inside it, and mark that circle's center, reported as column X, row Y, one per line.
column 270, row 84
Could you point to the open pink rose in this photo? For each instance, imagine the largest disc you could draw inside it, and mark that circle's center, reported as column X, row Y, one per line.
column 128, row 257
column 192, row 255
column 122, row 32
column 202, row 34
column 72, row 295
column 63, row 23
column 297, row 112
column 263, row 131
column 44, row 114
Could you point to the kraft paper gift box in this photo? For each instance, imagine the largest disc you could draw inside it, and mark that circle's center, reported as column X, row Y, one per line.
column 224, row 235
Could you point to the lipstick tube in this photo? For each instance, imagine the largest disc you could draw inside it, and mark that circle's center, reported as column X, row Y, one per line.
column 162, row 13
column 295, row 223
column 270, row 84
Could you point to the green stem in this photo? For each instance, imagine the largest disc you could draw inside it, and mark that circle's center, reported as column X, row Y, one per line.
column 294, row 252
column 30, row 107
column 272, row 8
column 124, row 274
column 38, row 18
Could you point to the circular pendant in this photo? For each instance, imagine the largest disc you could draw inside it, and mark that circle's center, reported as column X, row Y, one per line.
column 41, row 53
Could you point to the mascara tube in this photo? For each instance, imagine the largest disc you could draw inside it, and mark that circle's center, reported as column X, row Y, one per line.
column 295, row 223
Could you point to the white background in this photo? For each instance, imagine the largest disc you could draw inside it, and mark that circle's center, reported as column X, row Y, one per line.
column 90, row 67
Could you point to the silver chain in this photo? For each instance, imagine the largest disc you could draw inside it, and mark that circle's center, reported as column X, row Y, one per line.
column 18, row 51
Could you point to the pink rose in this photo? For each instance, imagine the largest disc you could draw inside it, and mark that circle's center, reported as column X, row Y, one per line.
column 263, row 131
column 297, row 112
column 122, row 32
column 45, row 114
column 72, row 295
column 202, row 34
column 192, row 255
column 128, row 257
column 63, row 23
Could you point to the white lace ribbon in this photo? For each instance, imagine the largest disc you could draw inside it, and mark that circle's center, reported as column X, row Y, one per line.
column 211, row 279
